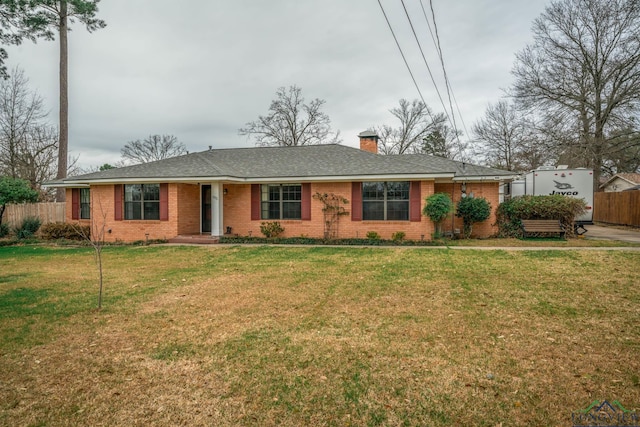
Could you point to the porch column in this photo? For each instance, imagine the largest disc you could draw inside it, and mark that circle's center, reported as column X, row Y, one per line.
column 217, row 200
column 216, row 209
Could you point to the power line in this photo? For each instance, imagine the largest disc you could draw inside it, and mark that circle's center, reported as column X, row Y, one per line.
column 415, row 35
column 405, row 61
column 450, row 91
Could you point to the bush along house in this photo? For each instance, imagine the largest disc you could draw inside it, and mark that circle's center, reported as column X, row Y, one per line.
column 233, row 191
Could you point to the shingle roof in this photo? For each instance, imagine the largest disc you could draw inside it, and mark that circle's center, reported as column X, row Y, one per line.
column 332, row 160
column 631, row 177
column 461, row 169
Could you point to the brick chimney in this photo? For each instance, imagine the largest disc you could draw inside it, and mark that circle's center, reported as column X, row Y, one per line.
column 369, row 141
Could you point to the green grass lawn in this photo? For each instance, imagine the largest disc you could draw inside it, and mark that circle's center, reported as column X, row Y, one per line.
column 315, row 336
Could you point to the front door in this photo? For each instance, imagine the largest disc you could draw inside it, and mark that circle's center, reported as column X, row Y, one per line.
column 206, row 208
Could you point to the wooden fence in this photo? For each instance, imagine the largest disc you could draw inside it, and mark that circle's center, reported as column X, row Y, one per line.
column 622, row 208
column 47, row 212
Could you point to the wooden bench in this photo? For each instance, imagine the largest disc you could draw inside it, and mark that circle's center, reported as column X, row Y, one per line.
column 530, row 226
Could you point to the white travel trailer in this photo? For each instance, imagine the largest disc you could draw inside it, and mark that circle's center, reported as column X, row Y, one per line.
column 548, row 180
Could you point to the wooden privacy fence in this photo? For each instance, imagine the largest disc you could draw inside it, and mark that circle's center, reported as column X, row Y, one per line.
column 621, row 208
column 47, row 212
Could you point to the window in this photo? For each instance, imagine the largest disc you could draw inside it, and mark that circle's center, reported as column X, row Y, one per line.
column 142, row 201
column 385, row 201
column 280, row 201
column 85, row 204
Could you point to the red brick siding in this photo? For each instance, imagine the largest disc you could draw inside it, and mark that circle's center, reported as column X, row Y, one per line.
column 184, row 213
column 237, row 214
column 488, row 190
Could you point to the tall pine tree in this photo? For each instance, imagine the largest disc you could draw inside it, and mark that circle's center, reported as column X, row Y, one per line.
column 36, row 19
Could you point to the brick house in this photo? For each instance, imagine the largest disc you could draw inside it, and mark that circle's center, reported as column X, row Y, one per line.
column 232, row 191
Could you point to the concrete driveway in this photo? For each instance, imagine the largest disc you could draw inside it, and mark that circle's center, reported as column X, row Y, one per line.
column 601, row 232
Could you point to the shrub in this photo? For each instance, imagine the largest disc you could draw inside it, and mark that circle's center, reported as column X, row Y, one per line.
column 373, row 235
column 510, row 213
column 63, row 230
column 4, row 230
column 438, row 207
column 28, row 229
column 271, row 229
column 472, row 210
column 398, row 236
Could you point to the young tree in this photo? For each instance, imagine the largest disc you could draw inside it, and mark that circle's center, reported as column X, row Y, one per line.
column 95, row 235
column 14, row 190
column 36, row 19
column 584, row 68
column 291, row 122
column 152, row 148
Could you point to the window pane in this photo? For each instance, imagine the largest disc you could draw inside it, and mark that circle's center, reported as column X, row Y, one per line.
column 291, row 210
column 264, row 210
column 373, row 191
column 132, row 210
column 132, row 192
column 84, row 195
column 274, row 192
column 373, row 210
column 85, row 204
column 274, row 210
column 292, row 192
column 151, row 191
column 85, row 211
column 397, row 190
column 398, row 211
column 151, row 210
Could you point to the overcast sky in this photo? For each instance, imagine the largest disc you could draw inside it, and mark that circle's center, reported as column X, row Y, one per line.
column 201, row 69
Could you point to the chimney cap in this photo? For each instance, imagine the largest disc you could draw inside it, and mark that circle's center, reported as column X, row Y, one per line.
column 368, row 134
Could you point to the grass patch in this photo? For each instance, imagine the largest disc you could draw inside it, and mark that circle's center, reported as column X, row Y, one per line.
column 264, row 335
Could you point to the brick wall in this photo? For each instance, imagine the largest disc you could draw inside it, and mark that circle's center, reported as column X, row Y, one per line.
column 184, row 213
column 488, row 190
column 102, row 210
column 188, row 206
column 237, row 214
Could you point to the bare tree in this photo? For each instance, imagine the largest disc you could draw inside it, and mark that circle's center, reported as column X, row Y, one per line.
column 506, row 139
column 28, row 145
column 292, row 122
column 38, row 156
column 20, row 111
column 419, row 131
column 36, row 19
column 95, row 234
column 416, row 122
column 584, row 67
column 152, row 148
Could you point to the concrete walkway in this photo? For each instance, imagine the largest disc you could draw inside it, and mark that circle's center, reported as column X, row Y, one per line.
column 600, row 232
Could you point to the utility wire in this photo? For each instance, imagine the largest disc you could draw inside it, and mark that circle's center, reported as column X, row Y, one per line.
column 436, row 42
column 415, row 35
column 405, row 62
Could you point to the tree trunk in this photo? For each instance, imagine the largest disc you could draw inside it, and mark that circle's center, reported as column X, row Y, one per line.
column 63, row 143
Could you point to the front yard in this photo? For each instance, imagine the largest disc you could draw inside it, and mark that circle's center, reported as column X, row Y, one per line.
column 316, row 336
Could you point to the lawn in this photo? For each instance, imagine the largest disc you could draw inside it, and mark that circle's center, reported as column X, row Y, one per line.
column 316, row 336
